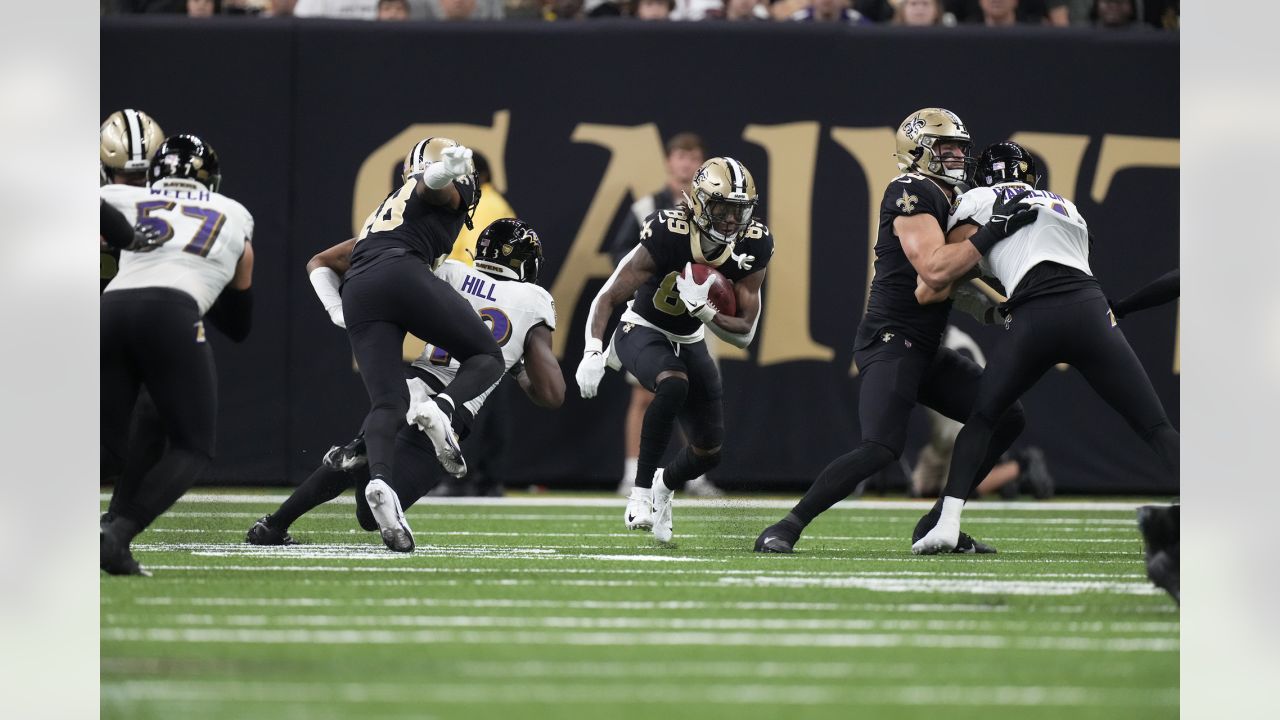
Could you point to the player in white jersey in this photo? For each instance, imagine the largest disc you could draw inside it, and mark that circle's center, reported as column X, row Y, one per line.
column 502, row 289
column 153, row 331
column 1056, row 313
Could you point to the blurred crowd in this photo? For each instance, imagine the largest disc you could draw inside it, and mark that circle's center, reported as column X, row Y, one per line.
column 1110, row 14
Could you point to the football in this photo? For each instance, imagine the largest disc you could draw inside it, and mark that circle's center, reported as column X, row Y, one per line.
column 721, row 295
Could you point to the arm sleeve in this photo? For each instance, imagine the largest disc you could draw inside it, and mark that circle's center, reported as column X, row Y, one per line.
column 232, row 313
column 1160, row 291
column 115, row 228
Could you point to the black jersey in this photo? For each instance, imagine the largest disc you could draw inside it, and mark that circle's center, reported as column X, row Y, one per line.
column 406, row 220
column 893, row 290
column 672, row 239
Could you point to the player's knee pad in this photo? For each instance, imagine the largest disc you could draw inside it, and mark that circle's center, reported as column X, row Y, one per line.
column 704, row 462
column 877, row 454
column 672, row 389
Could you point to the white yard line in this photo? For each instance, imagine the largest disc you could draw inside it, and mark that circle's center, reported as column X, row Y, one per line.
column 646, row 623
column 260, row 636
column 779, row 504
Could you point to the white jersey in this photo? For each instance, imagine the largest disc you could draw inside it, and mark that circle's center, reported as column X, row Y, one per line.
column 1058, row 235
column 207, row 235
column 510, row 308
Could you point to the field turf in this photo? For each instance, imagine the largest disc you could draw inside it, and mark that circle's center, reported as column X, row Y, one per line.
column 544, row 607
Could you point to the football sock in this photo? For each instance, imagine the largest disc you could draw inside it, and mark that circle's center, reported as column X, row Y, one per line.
column 323, row 485
column 839, row 479
column 688, row 465
column 162, row 486
column 659, row 422
column 475, row 375
column 417, row 470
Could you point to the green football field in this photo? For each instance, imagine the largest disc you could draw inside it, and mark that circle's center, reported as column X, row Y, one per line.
column 544, row 607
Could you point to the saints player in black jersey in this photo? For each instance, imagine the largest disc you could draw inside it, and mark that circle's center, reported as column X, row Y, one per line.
column 898, row 345
column 390, row 290
column 660, row 337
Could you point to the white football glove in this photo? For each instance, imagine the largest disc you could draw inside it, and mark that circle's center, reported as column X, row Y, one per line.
column 454, row 162
column 591, row 369
column 694, row 295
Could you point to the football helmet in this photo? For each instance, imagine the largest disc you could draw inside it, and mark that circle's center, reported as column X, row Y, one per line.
column 917, row 140
column 723, row 198
column 427, row 151
column 509, row 248
column 187, row 157
column 1004, row 162
column 126, row 143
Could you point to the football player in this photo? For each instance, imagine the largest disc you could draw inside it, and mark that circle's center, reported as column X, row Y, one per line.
column 502, row 290
column 660, row 337
column 127, row 141
column 389, row 289
column 898, row 347
column 153, row 331
column 1056, row 313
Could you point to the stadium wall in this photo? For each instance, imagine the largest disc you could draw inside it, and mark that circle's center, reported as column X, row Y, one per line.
column 310, row 118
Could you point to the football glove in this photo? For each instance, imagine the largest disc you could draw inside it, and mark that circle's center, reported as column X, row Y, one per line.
column 694, row 295
column 591, row 369
column 146, row 237
column 1008, row 216
column 454, row 163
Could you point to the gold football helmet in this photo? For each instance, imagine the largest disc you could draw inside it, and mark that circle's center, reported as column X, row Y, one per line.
column 723, row 198
column 126, row 143
column 917, row 138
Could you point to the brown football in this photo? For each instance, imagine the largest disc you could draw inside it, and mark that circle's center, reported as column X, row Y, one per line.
column 722, row 294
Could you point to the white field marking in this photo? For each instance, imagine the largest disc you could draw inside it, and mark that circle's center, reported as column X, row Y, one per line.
column 487, row 693
column 754, row 503
column 803, row 575
column 972, row 587
column 646, row 623
column 667, row 669
column 260, row 636
column 512, row 603
column 1135, row 539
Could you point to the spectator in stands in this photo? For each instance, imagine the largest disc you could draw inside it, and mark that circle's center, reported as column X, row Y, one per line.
column 343, row 9
column 830, row 11
column 1115, row 15
column 133, row 7
column 562, row 10
column 1003, row 13
column 393, row 9
column 455, row 10
column 654, row 9
column 921, row 13
column 880, row 11
column 480, row 10
column 745, row 10
column 202, row 8
column 697, row 9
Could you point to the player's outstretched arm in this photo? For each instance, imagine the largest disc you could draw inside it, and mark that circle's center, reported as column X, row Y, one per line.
column 631, row 273
column 739, row 330
column 544, row 382
column 938, row 263
column 437, row 180
column 325, row 269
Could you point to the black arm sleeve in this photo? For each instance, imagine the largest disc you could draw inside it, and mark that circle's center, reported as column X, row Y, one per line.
column 1160, row 291
column 232, row 314
column 115, row 228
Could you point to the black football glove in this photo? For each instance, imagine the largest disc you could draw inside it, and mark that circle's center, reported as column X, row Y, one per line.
column 146, row 237
column 1008, row 216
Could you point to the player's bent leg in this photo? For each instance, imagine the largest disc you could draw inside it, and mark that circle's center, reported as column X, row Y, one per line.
column 836, row 482
column 386, row 508
column 323, row 485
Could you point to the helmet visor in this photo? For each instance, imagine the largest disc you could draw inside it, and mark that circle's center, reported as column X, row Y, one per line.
column 728, row 218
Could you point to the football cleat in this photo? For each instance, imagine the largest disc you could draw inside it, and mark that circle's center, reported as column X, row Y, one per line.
column 262, row 533
column 777, row 538
column 1035, row 474
column 968, row 546
column 639, row 512
column 1163, row 570
column 661, row 497
column 432, row 420
column 702, row 487
column 385, row 505
column 115, row 558
column 347, row 457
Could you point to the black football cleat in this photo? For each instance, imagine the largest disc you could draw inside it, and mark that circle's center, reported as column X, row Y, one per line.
column 967, row 545
column 777, row 538
column 263, row 534
column 115, row 557
column 347, row 457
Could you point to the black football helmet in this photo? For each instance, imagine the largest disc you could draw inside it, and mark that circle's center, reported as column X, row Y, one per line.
column 188, row 157
column 509, row 248
column 1004, row 162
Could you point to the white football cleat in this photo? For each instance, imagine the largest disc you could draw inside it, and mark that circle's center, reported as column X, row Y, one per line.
column 941, row 539
column 702, row 486
column 435, row 423
column 386, row 509
column 639, row 512
column 661, row 496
